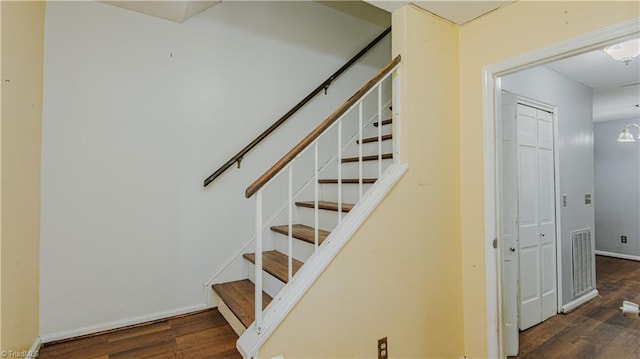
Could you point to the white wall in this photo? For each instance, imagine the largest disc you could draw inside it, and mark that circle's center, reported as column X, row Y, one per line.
column 575, row 148
column 137, row 112
column 617, row 186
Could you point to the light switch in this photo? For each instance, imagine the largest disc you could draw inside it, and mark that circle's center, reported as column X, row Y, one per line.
column 564, row 200
column 587, row 198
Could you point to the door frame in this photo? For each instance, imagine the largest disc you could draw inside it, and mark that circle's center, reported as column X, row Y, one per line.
column 491, row 90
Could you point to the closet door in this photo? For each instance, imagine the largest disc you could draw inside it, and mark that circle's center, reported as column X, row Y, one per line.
column 536, row 216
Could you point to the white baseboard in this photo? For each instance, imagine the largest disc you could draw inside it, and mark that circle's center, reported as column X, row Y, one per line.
column 618, row 255
column 92, row 329
column 572, row 305
column 35, row 349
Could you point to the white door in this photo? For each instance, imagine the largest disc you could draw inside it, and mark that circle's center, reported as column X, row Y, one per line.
column 536, row 216
column 508, row 223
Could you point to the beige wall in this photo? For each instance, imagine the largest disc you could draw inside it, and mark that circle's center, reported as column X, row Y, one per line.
column 516, row 29
column 1, row 80
column 22, row 57
column 423, row 208
column 400, row 275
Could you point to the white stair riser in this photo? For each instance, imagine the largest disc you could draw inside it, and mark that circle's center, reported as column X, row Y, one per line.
column 270, row 284
column 350, row 192
column 231, row 318
column 369, row 148
column 369, row 169
column 327, row 220
column 301, row 250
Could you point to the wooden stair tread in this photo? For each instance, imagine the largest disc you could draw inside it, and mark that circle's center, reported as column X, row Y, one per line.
column 384, row 122
column 385, row 156
column 302, row 232
column 330, row 206
column 347, row 180
column 240, row 298
column 375, row 138
column 275, row 263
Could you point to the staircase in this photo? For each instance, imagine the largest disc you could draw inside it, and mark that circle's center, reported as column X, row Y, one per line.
column 300, row 238
column 239, row 296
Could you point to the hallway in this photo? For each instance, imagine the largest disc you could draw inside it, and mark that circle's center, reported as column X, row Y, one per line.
column 597, row 329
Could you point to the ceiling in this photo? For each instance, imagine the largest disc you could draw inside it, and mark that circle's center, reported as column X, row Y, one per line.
column 458, row 12
column 177, row 11
column 616, row 85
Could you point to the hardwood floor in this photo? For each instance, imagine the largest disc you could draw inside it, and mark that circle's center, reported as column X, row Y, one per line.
column 201, row 335
column 596, row 330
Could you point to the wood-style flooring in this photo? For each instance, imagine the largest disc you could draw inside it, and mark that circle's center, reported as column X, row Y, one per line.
column 201, row 335
column 596, row 330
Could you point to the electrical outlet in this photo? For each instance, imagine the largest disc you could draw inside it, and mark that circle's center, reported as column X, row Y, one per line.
column 623, row 239
column 383, row 349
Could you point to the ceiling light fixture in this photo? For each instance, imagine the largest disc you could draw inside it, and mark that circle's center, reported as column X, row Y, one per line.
column 626, row 136
column 624, row 51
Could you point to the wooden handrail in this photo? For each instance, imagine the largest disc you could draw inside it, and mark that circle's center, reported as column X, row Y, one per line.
column 323, row 86
column 313, row 135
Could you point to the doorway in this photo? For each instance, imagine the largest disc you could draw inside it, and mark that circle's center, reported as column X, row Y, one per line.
column 491, row 102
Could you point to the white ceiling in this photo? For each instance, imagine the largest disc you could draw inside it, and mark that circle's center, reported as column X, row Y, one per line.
column 177, row 11
column 458, row 12
column 616, row 85
column 598, row 70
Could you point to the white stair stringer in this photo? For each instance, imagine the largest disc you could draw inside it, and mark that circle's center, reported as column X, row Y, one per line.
column 235, row 269
column 250, row 342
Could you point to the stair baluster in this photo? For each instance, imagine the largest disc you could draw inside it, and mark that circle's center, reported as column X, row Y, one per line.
column 274, row 259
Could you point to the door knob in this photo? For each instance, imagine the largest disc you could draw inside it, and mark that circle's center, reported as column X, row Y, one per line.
column 512, row 249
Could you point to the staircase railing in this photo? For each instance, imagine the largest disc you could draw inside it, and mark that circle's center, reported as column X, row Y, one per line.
column 237, row 158
column 286, row 163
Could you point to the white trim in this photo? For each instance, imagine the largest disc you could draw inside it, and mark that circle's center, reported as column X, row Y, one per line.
column 72, row 333
column 226, row 264
column 575, row 46
column 492, row 256
column 572, row 305
column 250, row 342
column 558, row 198
column 638, row 147
column 563, row 49
column 231, row 318
column 34, row 351
column 618, row 255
